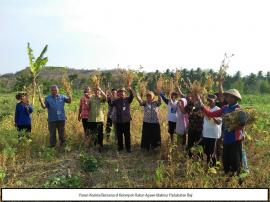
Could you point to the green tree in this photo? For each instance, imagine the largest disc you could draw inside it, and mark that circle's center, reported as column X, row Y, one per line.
column 35, row 66
column 265, row 87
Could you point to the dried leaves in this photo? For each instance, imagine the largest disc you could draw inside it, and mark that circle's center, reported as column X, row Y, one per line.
column 128, row 76
column 95, row 80
column 66, row 84
column 242, row 115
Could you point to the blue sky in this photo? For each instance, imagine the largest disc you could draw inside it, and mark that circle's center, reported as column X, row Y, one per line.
column 154, row 33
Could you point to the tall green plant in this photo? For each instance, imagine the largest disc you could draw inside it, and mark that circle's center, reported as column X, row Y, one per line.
column 35, row 66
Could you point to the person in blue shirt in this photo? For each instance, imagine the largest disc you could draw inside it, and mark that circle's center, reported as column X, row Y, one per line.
column 56, row 114
column 23, row 111
column 232, row 140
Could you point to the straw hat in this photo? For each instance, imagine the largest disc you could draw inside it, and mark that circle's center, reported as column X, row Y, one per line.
column 122, row 89
column 151, row 94
column 234, row 92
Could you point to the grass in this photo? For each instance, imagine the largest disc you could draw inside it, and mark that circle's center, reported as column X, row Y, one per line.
column 32, row 164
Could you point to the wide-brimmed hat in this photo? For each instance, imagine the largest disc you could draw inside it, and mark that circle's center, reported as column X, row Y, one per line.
column 211, row 97
column 121, row 89
column 233, row 92
column 151, row 94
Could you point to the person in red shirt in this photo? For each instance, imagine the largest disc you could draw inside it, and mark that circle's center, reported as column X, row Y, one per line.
column 232, row 145
column 84, row 110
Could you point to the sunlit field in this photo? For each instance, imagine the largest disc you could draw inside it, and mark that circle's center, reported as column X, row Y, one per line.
column 30, row 163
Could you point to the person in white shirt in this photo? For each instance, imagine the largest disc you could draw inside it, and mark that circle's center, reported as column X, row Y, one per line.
column 182, row 120
column 171, row 112
column 211, row 132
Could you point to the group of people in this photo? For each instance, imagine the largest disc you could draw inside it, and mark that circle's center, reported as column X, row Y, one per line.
column 189, row 119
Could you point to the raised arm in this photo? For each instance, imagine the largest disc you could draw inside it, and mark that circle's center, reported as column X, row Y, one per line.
column 163, row 97
column 137, row 96
column 102, row 93
column 180, row 92
column 69, row 99
column 220, row 86
column 42, row 103
column 131, row 96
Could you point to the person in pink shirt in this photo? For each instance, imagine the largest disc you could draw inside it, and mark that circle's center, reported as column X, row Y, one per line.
column 84, row 110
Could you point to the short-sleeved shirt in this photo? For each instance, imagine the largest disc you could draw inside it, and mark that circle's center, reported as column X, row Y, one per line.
column 210, row 128
column 151, row 111
column 55, row 106
column 95, row 109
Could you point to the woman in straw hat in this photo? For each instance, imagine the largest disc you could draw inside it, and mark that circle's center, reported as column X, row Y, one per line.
column 232, row 145
column 151, row 138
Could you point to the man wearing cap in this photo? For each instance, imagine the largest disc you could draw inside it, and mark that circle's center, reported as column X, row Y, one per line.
column 211, row 131
column 56, row 114
column 123, row 117
column 232, row 146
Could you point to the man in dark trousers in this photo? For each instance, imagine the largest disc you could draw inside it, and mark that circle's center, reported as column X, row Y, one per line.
column 123, row 117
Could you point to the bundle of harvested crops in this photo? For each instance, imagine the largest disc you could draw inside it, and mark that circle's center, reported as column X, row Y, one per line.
column 95, row 80
column 66, row 84
column 142, row 87
column 242, row 116
column 209, row 83
column 160, row 82
column 177, row 76
column 197, row 88
column 128, row 76
column 168, row 86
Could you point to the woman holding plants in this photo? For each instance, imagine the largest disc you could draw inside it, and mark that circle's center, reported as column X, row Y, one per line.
column 23, row 114
column 181, row 119
column 151, row 138
column 84, row 110
column 96, row 116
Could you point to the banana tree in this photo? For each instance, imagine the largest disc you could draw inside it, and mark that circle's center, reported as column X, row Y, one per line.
column 35, row 66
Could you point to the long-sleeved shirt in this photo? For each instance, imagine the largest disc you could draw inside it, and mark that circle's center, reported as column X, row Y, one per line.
column 151, row 111
column 232, row 136
column 171, row 116
column 195, row 118
column 55, row 106
column 95, row 109
column 182, row 118
column 22, row 114
column 122, row 108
